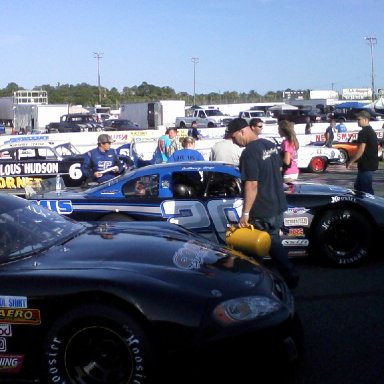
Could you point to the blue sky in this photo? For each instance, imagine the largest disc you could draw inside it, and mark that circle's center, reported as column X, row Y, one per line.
column 242, row 45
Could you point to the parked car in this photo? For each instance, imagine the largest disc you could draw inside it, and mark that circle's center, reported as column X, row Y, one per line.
column 75, row 122
column 348, row 149
column 120, row 125
column 349, row 114
column 313, row 157
column 327, row 222
column 121, row 302
column 30, row 159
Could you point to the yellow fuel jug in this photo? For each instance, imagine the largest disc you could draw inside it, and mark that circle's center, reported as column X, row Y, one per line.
column 250, row 240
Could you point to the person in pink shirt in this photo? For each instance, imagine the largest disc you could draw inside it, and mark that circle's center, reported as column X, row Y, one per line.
column 289, row 148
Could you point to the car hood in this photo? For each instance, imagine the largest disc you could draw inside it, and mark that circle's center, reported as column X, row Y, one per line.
column 148, row 252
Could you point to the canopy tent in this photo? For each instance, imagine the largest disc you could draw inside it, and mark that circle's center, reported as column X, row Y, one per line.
column 350, row 104
column 378, row 104
column 282, row 107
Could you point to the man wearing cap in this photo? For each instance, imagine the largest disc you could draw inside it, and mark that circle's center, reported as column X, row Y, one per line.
column 366, row 154
column 102, row 163
column 264, row 200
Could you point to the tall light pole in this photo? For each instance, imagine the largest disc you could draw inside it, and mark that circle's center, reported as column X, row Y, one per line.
column 98, row 56
column 371, row 42
column 194, row 60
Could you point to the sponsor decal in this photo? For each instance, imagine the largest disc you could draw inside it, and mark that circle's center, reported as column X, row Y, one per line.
column 6, row 330
column 295, row 243
column 20, row 316
column 64, row 207
column 3, row 344
column 40, row 168
column 296, row 232
column 17, row 182
column 11, row 363
column 28, row 138
column 13, row 301
column 336, row 199
column 297, row 210
column 295, row 221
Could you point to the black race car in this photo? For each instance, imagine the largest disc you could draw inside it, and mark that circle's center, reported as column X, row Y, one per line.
column 117, row 303
column 28, row 160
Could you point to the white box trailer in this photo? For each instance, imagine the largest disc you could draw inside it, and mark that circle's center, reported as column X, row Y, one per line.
column 153, row 115
column 35, row 117
column 6, row 109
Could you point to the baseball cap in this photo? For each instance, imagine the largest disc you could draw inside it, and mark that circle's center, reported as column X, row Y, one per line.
column 364, row 115
column 104, row 138
column 235, row 125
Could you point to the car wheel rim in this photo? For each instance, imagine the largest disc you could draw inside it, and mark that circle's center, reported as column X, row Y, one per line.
column 317, row 164
column 98, row 355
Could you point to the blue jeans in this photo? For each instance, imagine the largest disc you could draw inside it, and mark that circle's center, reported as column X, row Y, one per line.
column 364, row 181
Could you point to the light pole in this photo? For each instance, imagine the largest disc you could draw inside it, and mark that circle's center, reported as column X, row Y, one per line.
column 371, row 42
column 194, row 60
column 98, row 56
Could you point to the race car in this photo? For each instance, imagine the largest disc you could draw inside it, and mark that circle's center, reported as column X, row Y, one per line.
column 348, row 149
column 313, row 157
column 28, row 160
column 332, row 223
column 114, row 303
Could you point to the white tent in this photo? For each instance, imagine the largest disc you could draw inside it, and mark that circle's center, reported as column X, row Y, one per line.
column 282, row 107
column 378, row 104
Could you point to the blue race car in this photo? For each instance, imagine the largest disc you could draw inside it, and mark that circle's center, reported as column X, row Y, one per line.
column 334, row 223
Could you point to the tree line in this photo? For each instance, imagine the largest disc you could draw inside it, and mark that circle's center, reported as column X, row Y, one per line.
column 89, row 95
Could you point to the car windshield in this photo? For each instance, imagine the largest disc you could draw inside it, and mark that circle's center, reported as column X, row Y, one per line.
column 67, row 149
column 214, row 112
column 26, row 229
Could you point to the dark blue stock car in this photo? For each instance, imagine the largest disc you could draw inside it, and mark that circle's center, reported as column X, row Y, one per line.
column 331, row 222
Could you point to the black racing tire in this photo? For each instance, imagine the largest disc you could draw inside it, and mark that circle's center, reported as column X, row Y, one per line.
column 98, row 344
column 116, row 217
column 211, row 125
column 343, row 156
column 318, row 164
column 342, row 236
column 182, row 124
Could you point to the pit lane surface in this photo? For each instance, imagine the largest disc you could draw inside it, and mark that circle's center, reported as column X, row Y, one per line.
column 342, row 311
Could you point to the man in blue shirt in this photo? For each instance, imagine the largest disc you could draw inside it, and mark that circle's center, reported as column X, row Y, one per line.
column 341, row 126
column 102, row 163
column 188, row 153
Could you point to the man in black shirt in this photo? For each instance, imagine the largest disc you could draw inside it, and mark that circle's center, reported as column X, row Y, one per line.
column 263, row 192
column 366, row 154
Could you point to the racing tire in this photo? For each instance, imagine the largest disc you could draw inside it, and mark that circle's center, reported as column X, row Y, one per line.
column 98, row 344
column 318, row 164
column 116, row 217
column 211, row 125
column 343, row 237
column 343, row 156
column 182, row 125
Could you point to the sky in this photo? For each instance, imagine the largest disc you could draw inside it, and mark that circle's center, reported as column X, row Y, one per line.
column 241, row 45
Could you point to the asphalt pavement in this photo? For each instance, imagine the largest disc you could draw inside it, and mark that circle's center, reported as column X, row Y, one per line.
column 342, row 310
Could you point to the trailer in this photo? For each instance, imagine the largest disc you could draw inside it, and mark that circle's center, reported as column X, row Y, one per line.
column 154, row 115
column 35, row 117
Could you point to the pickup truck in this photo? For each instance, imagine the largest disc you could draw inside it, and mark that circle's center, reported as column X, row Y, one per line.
column 204, row 117
column 75, row 122
column 249, row 115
